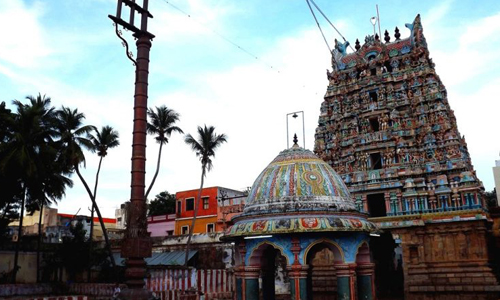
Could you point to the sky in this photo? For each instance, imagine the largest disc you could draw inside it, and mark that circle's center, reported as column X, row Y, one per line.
column 240, row 66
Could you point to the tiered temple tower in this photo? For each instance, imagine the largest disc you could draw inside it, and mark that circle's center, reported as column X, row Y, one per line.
column 387, row 128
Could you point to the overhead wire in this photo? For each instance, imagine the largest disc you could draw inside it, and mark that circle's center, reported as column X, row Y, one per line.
column 222, row 36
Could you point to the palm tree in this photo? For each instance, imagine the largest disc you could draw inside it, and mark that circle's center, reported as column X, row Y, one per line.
column 26, row 153
column 103, row 140
column 161, row 125
column 204, row 147
column 73, row 136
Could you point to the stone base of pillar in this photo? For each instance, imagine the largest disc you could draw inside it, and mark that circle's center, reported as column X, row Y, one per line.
column 366, row 287
column 298, row 282
column 346, row 281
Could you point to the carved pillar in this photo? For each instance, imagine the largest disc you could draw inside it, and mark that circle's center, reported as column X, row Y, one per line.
column 365, row 203
column 387, row 199
column 346, row 276
column 240, row 273
column 400, row 202
column 298, row 281
column 432, row 202
column 366, row 286
column 297, row 274
column 250, row 277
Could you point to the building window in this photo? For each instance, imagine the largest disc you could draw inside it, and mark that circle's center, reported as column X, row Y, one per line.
column 376, row 205
column 374, row 124
column 376, row 161
column 179, row 207
column 185, row 229
column 170, row 232
column 189, row 204
column 210, row 227
column 205, row 202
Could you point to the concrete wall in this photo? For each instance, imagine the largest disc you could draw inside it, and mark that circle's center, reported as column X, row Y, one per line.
column 27, row 262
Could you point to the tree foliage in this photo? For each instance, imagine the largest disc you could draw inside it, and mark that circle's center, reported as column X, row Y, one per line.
column 40, row 148
column 491, row 198
column 162, row 204
column 204, row 145
column 161, row 124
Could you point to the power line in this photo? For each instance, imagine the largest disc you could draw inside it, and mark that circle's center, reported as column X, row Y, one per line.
column 222, row 36
column 233, row 43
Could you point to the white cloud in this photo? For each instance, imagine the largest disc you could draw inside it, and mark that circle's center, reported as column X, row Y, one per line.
column 23, row 39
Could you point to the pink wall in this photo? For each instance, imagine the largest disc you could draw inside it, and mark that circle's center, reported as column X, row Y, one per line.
column 161, row 225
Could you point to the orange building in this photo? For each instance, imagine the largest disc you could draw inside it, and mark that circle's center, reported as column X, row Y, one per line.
column 210, row 217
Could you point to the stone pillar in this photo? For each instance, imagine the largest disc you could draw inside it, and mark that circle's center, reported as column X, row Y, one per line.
column 387, row 199
column 239, row 281
column 250, row 277
column 240, row 272
column 400, row 202
column 366, row 286
column 297, row 273
column 298, row 281
column 365, row 203
column 346, row 276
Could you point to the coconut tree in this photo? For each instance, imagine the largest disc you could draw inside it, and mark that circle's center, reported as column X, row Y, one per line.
column 74, row 135
column 26, row 153
column 161, row 125
column 101, row 142
column 204, row 146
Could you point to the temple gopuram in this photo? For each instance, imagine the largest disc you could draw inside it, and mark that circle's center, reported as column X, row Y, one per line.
column 387, row 129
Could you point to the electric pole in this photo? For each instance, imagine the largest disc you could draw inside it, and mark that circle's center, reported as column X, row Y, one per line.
column 137, row 243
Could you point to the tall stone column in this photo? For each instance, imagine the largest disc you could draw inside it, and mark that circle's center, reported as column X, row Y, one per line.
column 298, row 281
column 366, row 286
column 346, row 276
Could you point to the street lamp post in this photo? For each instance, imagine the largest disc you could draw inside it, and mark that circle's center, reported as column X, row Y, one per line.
column 294, row 115
column 137, row 244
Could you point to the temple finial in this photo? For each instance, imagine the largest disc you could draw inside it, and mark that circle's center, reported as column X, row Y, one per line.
column 387, row 38
column 397, row 35
column 295, row 140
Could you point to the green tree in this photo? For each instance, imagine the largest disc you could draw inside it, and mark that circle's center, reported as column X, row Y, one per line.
column 26, row 153
column 101, row 141
column 11, row 186
column 162, row 204
column 161, row 125
column 204, row 146
column 491, row 198
column 73, row 251
column 74, row 135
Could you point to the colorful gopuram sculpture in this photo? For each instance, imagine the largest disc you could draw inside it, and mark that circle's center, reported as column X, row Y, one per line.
column 388, row 130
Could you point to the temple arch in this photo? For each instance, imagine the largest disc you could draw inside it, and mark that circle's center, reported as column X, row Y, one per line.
column 338, row 254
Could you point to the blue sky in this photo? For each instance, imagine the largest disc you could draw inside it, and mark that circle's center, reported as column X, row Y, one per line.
column 68, row 51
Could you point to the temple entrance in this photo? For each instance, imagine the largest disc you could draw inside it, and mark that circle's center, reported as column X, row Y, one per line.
column 389, row 279
column 273, row 277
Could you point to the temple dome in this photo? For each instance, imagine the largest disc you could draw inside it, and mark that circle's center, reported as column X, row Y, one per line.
column 297, row 180
column 298, row 191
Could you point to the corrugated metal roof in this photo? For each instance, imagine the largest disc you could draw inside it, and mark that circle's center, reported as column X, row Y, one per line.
column 173, row 258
